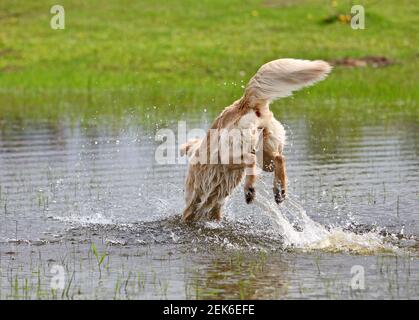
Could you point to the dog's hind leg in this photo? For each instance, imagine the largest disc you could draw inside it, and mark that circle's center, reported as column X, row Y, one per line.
column 189, row 214
column 216, row 213
column 273, row 159
column 192, row 200
column 280, row 178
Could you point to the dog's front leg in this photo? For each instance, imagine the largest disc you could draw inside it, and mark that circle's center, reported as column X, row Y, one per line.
column 250, row 180
column 248, row 163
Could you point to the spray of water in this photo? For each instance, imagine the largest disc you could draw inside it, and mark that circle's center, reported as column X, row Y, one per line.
column 300, row 231
column 263, row 224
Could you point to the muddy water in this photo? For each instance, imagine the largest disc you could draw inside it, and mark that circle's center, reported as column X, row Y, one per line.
column 353, row 203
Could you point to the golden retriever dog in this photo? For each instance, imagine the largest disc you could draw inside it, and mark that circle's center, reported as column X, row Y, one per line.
column 215, row 166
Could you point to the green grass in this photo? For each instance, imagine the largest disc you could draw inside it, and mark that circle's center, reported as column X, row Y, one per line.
column 184, row 56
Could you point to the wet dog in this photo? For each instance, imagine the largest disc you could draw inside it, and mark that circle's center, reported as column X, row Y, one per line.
column 215, row 168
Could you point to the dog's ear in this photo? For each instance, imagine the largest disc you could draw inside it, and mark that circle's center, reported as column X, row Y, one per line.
column 184, row 148
column 187, row 148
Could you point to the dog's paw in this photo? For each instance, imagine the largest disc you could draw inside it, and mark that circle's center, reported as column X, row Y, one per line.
column 279, row 196
column 249, row 194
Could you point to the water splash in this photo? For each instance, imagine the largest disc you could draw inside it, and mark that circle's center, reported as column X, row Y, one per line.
column 300, row 231
column 263, row 225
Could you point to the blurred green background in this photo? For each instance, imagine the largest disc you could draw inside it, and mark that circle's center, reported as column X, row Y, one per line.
column 124, row 56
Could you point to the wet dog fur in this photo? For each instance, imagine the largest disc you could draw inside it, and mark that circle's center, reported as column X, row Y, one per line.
column 209, row 184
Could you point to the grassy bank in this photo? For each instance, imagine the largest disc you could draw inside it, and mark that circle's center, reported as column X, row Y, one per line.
column 189, row 55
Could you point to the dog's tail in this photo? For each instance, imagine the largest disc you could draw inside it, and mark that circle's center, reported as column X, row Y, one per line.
column 279, row 78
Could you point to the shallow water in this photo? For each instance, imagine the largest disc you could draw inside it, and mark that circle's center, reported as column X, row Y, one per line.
column 353, row 202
